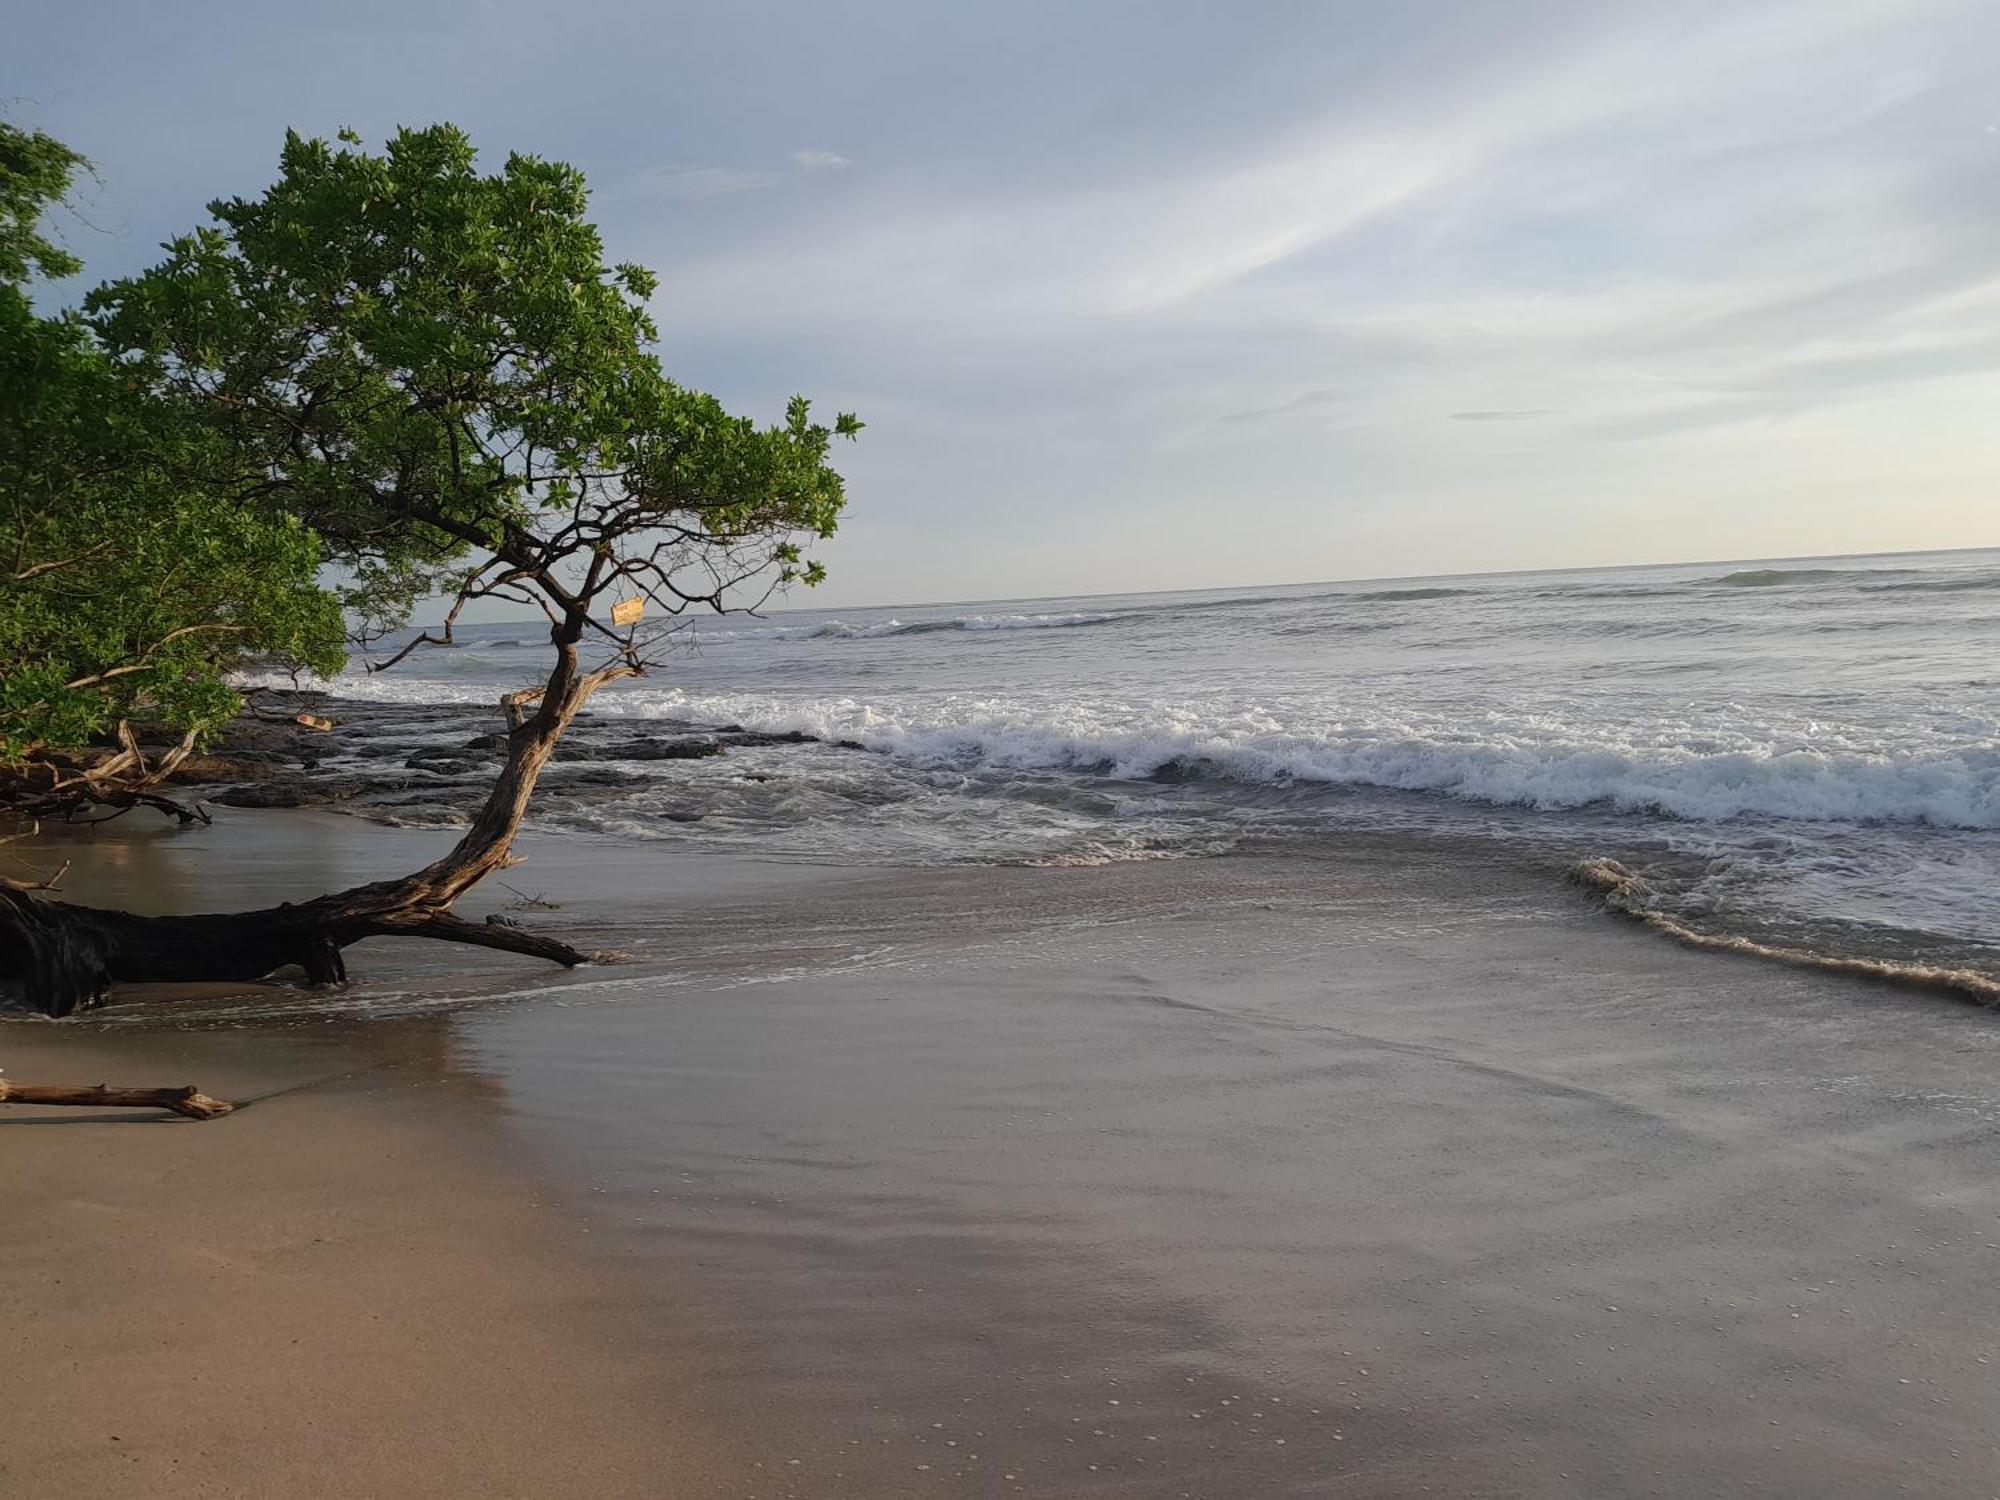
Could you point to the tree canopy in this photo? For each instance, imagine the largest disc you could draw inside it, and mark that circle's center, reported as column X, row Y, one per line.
column 435, row 370
column 130, row 583
column 391, row 376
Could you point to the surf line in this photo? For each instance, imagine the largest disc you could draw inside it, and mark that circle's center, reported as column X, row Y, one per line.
column 1626, row 893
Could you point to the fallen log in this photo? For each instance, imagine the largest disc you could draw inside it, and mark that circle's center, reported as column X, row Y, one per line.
column 66, row 957
column 188, row 1100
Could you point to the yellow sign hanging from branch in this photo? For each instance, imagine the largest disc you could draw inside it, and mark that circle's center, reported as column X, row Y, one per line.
column 627, row 612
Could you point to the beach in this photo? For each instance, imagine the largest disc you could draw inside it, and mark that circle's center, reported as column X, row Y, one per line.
column 354, row 1294
column 993, row 753
column 1383, row 1168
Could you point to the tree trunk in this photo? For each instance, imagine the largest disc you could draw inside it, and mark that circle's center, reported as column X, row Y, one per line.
column 68, row 956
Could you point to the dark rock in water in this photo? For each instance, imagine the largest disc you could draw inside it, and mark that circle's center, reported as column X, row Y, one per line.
column 580, row 747
column 237, row 765
column 563, row 779
column 294, row 792
column 247, row 736
column 377, row 749
column 424, row 763
column 680, row 749
column 290, row 794
column 755, row 737
column 445, row 763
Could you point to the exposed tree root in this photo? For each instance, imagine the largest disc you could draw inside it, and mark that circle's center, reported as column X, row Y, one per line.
column 66, row 957
column 114, row 784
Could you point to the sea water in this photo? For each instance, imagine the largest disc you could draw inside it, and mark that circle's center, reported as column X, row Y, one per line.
column 1798, row 750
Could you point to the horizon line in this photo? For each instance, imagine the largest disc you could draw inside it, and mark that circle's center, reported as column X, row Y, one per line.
column 1693, row 562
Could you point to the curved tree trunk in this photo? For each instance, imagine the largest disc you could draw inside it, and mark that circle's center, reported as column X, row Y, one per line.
column 68, row 956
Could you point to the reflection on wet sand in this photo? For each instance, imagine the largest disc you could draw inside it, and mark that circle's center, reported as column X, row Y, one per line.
column 1364, row 1173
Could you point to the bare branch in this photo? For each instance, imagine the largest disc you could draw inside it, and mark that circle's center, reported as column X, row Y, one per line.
column 54, row 564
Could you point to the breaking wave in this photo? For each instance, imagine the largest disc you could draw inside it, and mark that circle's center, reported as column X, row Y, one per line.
column 1522, row 762
column 1627, row 893
column 1549, row 770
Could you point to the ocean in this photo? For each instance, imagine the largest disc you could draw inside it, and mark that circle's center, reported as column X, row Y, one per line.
column 1796, row 752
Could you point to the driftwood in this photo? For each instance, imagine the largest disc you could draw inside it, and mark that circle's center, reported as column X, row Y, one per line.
column 66, row 957
column 114, row 784
column 188, row 1101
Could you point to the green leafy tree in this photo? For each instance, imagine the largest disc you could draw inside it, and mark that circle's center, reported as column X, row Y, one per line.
column 131, row 582
column 434, row 371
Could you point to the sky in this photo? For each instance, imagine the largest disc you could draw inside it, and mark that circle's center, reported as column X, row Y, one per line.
column 1172, row 295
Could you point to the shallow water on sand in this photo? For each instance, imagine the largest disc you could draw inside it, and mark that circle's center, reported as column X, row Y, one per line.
column 1359, row 1172
column 1263, row 1177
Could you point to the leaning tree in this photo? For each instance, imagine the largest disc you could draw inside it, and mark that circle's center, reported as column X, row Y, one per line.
column 436, row 372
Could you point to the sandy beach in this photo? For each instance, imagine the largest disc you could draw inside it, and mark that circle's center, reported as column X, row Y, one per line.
column 354, row 1294
column 1381, row 1173
column 1009, row 752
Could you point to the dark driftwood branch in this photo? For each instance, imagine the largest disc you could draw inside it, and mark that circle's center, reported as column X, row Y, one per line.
column 187, row 1100
column 67, row 957
column 489, row 934
column 120, row 783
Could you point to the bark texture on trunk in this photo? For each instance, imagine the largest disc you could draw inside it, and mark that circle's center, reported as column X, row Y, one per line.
column 67, row 956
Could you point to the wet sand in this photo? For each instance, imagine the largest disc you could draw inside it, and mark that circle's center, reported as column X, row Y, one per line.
column 1394, row 1172
column 341, row 1289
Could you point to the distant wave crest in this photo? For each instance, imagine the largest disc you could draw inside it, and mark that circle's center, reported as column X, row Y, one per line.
column 1937, row 585
column 843, row 630
column 1767, row 578
column 1390, row 596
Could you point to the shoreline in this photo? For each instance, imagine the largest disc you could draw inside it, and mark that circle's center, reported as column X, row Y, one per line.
column 1753, row 884
column 1247, row 1176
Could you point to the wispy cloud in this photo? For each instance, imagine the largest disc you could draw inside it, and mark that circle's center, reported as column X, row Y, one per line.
column 1304, row 401
column 697, row 182
column 700, row 182
column 1395, row 286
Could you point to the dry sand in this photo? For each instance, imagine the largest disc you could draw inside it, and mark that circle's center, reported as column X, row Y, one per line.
column 1392, row 1173
column 338, row 1290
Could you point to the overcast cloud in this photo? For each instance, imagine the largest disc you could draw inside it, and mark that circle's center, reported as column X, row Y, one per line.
column 1158, row 295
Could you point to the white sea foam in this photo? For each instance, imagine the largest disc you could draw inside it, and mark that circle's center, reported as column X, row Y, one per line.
column 1529, row 766
column 1683, row 771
